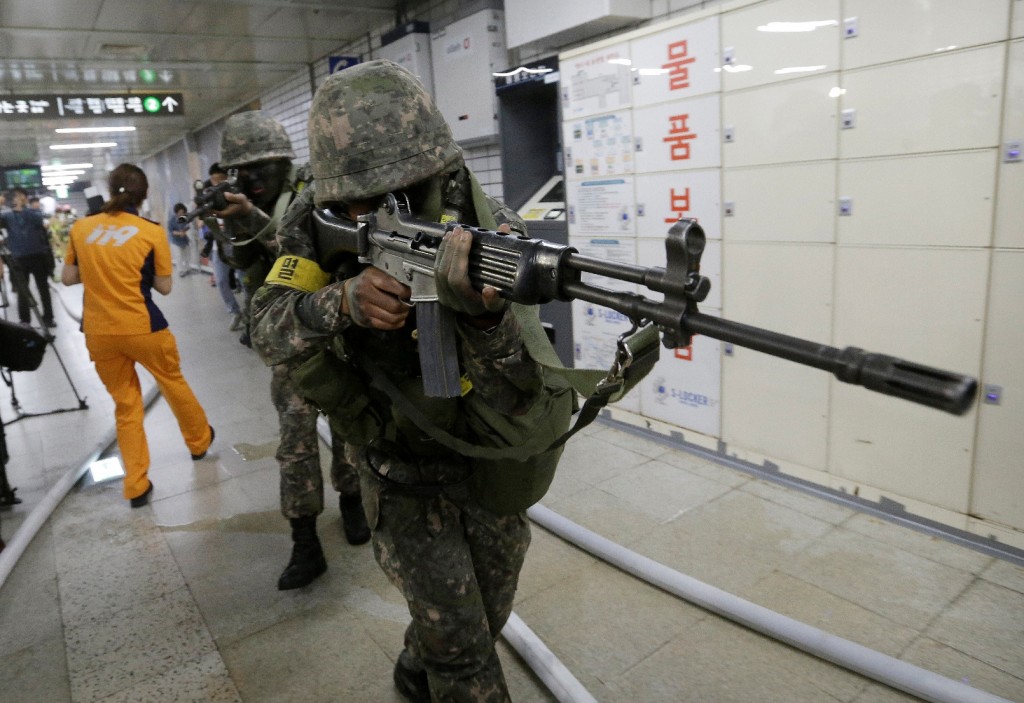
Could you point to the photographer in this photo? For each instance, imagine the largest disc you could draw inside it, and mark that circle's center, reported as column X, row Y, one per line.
column 30, row 255
column 179, row 237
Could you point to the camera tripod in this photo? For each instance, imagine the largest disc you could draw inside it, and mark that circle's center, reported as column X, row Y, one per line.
column 20, row 283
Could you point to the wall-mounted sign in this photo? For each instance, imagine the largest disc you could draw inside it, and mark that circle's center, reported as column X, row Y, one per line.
column 339, row 63
column 13, row 107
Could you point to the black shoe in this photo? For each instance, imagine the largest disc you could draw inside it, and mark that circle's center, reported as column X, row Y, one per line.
column 353, row 519
column 50, row 323
column 139, row 501
column 197, row 457
column 411, row 684
column 307, row 562
column 245, row 340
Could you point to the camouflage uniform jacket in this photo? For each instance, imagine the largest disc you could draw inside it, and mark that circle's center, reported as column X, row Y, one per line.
column 292, row 325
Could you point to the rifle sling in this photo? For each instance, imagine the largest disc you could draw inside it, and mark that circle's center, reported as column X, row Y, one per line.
column 592, row 383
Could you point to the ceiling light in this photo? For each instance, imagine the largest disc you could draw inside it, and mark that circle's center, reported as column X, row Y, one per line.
column 796, row 26
column 62, row 167
column 799, row 69
column 77, row 130
column 93, row 145
column 522, row 69
column 61, row 174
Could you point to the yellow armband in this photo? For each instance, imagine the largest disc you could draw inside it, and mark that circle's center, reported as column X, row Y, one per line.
column 296, row 272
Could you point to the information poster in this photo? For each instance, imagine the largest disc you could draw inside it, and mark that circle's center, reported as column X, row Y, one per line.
column 596, row 82
column 599, row 146
column 602, row 207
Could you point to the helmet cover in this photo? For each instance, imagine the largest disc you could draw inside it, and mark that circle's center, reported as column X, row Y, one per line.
column 373, row 129
column 253, row 136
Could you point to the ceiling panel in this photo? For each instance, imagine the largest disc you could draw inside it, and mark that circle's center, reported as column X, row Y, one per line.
column 220, row 54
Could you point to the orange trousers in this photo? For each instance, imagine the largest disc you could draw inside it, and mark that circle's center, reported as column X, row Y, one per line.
column 115, row 357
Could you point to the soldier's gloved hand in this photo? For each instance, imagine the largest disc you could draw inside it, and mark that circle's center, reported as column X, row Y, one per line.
column 238, row 206
column 374, row 299
column 451, row 273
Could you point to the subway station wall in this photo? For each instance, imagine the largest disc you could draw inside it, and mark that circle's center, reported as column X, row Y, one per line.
column 856, row 166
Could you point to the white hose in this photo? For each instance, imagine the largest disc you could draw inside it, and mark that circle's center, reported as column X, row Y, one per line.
column 552, row 672
column 41, row 513
column 893, row 672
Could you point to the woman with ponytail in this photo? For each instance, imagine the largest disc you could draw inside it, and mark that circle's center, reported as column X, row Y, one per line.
column 121, row 258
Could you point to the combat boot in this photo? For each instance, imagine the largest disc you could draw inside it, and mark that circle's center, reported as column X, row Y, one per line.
column 307, row 560
column 353, row 519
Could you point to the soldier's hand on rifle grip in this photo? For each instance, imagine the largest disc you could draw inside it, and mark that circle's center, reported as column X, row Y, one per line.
column 451, row 274
column 374, row 299
column 238, row 206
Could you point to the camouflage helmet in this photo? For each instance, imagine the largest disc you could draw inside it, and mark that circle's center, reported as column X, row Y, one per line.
column 252, row 136
column 373, row 128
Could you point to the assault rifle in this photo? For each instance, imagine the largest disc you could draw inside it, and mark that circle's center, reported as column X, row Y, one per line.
column 210, row 197
column 534, row 271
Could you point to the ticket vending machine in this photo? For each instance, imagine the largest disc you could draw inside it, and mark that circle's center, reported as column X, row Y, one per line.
column 544, row 214
column 532, row 170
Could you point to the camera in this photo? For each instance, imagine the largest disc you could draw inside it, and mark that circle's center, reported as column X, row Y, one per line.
column 211, row 197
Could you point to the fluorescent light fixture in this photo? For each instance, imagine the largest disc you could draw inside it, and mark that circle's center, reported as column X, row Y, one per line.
column 61, row 174
column 62, row 167
column 836, row 92
column 517, row 71
column 739, row 68
column 651, row 71
column 621, row 62
column 946, row 48
column 93, row 145
column 797, row 26
column 798, row 69
column 106, row 469
column 84, row 130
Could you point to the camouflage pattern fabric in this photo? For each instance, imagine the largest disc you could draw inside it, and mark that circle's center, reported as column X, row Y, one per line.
column 253, row 136
column 355, row 119
column 298, row 454
column 457, row 565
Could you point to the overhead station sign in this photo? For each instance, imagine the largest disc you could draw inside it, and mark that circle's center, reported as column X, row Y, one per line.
column 155, row 104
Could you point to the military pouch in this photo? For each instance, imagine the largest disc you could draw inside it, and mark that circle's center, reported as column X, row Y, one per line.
column 337, row 388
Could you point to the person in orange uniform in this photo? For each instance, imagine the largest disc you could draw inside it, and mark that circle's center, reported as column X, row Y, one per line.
column 121, row 258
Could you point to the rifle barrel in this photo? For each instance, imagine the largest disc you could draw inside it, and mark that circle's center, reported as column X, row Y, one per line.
column 924, row 385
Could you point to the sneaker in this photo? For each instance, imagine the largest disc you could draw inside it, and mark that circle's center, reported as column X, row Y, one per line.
column 50, row 323
column 139, row 501
column 197, row 457
column 236, row 321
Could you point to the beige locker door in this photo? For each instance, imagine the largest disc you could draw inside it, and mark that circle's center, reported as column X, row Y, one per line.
column 925, row 305
column 998, row 485
column 889, row 31
column 769, row 405
column 943, row 102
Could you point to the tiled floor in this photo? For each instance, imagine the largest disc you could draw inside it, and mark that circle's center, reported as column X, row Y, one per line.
column 178, row 601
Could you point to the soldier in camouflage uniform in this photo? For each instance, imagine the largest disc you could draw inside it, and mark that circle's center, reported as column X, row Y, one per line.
column 258, row 147
column 374, row 130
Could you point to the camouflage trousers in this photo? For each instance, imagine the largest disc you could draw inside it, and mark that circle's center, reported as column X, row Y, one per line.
column 298, row 455
column 457, row 564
